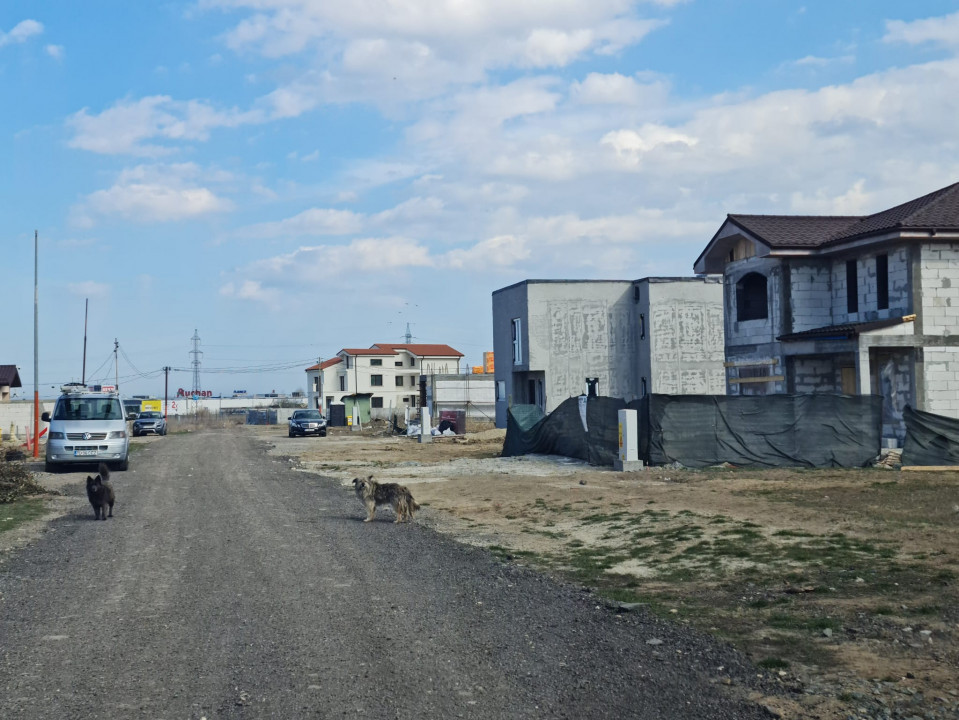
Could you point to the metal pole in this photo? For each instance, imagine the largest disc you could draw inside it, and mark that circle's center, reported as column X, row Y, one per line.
column 86, row 314
column 116, row 366
column 166, row 390
column 36, row 344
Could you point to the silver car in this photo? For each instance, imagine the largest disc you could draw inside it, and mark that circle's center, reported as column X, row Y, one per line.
column 149, row 421
column 87, row 427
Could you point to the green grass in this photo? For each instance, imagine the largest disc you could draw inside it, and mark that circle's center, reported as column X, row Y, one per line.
column 14, row 514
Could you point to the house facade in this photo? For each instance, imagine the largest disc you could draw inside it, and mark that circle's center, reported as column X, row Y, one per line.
column 388, row 374
column 655, row 335
column 9, row 379
column 850, row 304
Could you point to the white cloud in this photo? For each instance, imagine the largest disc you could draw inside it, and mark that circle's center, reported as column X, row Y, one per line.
column 312, row 222
column 55, row 51
column 502, row 251
column 133, row 126
column 937, row 30
column 616, row 89
column 21, row 32
column 632, row 145
column 165, row 193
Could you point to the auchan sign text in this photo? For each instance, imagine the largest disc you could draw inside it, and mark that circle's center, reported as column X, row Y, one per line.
column 190, row 393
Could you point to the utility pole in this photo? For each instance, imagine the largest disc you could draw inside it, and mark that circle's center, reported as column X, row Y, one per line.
column 166, row 389
column 36, row 344
column 116, row 366
column 86, row 314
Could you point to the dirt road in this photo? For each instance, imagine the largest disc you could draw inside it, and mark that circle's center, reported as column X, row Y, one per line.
column 228, row 584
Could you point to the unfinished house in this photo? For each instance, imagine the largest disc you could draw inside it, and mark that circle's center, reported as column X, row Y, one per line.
column 857, row 305
column 655, row 335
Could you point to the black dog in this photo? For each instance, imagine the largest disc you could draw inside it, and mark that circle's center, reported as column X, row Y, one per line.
column 100, row 493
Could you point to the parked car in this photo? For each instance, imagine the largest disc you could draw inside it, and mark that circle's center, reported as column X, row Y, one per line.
column 149, row 421
column 307, row 422
column 87, row 427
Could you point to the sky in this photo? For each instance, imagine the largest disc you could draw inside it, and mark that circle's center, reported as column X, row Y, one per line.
column 286, row 178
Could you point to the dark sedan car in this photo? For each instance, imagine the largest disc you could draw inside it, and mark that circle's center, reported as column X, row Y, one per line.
column 149, row 422
column 307, row 422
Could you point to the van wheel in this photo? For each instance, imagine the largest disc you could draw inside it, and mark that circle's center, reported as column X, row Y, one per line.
column 51, row 467
column 123, row 465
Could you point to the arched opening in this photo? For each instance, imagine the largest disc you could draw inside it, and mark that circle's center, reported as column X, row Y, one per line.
column 751, row 298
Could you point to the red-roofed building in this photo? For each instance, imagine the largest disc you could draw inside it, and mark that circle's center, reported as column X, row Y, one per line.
column 380, row 377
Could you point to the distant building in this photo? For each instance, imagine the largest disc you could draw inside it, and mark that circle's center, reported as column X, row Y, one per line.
column 851, row 304
column 9, row 379
column 387, row 375
column 655, row 335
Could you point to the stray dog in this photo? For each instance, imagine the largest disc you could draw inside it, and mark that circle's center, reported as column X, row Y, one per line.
column 373, row 494
column 100, row 493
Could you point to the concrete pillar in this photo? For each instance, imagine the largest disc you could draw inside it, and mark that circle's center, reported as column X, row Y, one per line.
column 425, row 427
column 628, row 458
column 863, row 383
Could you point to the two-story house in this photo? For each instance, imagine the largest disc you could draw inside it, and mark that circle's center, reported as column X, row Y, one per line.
column 633, row 337
column 386, row 375
column 851, row 304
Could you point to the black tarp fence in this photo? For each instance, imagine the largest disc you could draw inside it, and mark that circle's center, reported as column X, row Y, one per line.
column 930, row 439
column 696, row 431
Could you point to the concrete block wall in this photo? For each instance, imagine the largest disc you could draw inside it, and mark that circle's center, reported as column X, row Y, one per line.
column 941, row 380
column 939, row 273
column 752, row 332
column 893, row 371
column 899, row 285
column 810, row 295
column 816, row 375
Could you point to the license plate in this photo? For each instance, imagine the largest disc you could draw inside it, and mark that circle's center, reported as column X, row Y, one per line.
column 79, row 453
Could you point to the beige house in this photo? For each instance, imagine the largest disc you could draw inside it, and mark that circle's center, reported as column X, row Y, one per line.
column 387, row 373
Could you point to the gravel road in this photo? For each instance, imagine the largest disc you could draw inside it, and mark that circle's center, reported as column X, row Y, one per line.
column 230, row 585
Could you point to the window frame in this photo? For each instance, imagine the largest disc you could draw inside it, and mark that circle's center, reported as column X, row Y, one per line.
column 748, row 295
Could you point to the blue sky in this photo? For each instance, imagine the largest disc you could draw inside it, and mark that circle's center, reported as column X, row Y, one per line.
column 291, row 177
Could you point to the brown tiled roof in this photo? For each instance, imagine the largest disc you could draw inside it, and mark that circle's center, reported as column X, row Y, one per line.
column 844, row 331
column 794, row 231
column 9, row 376
column 938, row 210
column 422, row 349
column 326, row 363
column 368, row 351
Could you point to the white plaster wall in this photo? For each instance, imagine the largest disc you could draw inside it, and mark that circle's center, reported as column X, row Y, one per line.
column 939, row 272
column 686, row 337
column 582, row 329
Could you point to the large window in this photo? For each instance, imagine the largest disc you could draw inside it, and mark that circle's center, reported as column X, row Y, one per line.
column 399, row 381
column 852, row 287
column 517, row 330
column 376, row 402
column 882, row 281
column 751, row 299
column 376, row 362
column 376, row 380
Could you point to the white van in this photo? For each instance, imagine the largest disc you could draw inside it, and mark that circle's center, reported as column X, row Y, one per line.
column 87, row 427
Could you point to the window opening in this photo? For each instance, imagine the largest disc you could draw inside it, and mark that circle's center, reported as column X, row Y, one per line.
column 751, row 298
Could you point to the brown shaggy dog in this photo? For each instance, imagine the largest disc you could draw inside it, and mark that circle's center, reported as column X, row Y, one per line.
column 373, row 494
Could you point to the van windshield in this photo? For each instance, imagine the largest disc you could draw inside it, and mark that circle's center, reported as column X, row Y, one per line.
column 84, row 408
